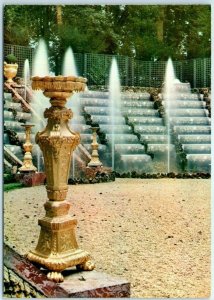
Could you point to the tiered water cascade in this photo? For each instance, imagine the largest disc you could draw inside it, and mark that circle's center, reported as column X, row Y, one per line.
column 105, row 109
column 14, row 117
column 190, row 123
column 150, row 127
column 91, row 100
column 127, row 146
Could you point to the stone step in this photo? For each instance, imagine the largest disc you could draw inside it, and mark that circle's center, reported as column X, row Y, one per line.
column 122, row 138
column 192, row 129
column 186, row 104
column 117, row 128
column 8, row 115
column 6, row 139
column 140, row 163
column 12, row 105
column 94, row 110
column 146, row 121
column 138, row 95
column 160, row 148
column 13, row 125
column 187, row 96
column 94, row 94
column 195, row 139
column 190, row 121
column 150, row 129
column 94, row 102
column 130, row 148
column 8, row 96
column 137, row 103
column 82, row 128
column 107, row 120
column 199, row 162
column 197, row 148
column 188, row 112
column 140, row 112
column 154, row 139
column 77, row 120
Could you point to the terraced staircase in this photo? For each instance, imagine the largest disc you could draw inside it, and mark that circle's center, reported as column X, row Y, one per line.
column 140, row 135
column 192, row 126
column 14, row 117
column 129, row 150
column 151, row 130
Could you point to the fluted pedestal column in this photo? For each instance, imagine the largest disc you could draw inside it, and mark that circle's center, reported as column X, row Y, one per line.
column 57, row 248
column 27, row 161
column 95, row 161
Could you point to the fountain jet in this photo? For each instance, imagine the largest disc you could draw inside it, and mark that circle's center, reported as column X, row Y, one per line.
column 169, row 94
column 69, row 69
column 114, row 103
column 26, row 76
column 38, row 103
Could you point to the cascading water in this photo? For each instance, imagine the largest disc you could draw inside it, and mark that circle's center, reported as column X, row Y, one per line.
column 189, row 120
column 169, row 95
column 69, row 69
column 114, row 103
column 39, row 101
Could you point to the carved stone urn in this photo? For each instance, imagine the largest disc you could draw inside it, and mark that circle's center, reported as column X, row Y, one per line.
column 57, row 248
column 10, row 71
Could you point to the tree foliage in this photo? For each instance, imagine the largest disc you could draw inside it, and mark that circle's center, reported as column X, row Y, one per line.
column 146, row 32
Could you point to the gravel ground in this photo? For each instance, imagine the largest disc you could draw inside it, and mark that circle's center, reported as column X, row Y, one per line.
column 154, row 233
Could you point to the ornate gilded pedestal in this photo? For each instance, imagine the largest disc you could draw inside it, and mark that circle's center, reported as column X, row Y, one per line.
column 95, row 161
column 57, row 247
column 27, row 161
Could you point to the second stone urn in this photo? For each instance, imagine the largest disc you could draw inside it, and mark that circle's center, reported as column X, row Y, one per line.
column 57, row 248
column 95, row 161
column 27, row 161
column 10, row 71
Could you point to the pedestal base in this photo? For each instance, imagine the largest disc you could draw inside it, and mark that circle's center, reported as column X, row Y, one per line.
column 57, row 248
column 31, row 178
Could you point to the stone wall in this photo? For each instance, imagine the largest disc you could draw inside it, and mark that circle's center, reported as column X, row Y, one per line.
column 22, row 279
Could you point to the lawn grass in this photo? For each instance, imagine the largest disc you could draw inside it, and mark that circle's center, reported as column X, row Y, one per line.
column 12, row 186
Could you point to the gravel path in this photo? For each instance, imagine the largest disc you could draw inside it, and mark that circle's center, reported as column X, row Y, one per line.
column 154, row 233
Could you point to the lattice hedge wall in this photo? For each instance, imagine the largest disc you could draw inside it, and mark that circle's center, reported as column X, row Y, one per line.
column 96, row 67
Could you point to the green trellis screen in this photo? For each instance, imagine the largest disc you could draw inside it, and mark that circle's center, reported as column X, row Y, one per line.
column 95, row 67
